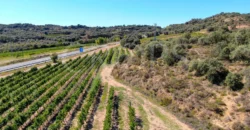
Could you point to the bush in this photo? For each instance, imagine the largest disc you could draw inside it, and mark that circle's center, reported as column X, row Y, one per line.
column 130, row 41
column 215, row 37
column 216, row 75
column 193, row 40
column 101, row 40
column 187, row 35
column 210, row 29
column 241, row 53
column 242, row 37
column 234, row 81
column 122, row 58
column 153, row 50
column 181, row 40
column 174, row 53
column 213, row 69
column 225, row 53
column 138, row 51
column 203, row 41
column 54, row 57
column 33, row 69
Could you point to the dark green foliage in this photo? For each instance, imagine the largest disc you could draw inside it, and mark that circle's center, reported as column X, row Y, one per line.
column 234, row 81
column 33, row 69
column 132, row 117
column 211, row 29
column 54, row 58
column 122, row 58
column 130, row 41
column 216, row 75
column 101, row 40
column 153, row 50
column 213, row 69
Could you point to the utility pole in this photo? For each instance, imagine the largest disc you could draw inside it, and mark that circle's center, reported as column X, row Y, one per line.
column 155, row 30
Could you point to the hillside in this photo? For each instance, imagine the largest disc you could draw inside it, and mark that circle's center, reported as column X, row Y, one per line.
column 222, row 20
column 17, row 37
column 202, row 78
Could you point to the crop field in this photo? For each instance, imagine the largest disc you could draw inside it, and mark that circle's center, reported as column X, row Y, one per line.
column 62, row 96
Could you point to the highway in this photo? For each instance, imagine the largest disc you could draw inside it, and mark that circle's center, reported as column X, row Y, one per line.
column 45, row 59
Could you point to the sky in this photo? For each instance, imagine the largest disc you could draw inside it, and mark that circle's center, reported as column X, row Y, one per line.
column 114, row 12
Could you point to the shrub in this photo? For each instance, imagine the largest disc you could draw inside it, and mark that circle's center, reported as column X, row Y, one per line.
column 213, row 69
column 153, row 50
column 210, row 29
column 54, row 57
column 242, row 37
column 215, row 37
column 130, row 41
column 187, row 35
column 216, row 75
column 225, row 53
column 234, row 81
column 101, row 40
column 138, row 51
column 241, row 53
column 182, row 40
column 166, row 101
column 203, row 41
column 122, row 58
column 33, row 69
column 193, row 40
column 173, row 54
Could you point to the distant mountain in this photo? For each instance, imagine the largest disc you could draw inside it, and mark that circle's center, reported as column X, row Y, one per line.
column 222, row 20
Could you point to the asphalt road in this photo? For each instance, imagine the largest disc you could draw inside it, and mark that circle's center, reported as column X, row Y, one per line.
column 43, row 60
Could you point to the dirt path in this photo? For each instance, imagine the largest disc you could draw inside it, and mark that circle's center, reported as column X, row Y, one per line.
column 158, row 118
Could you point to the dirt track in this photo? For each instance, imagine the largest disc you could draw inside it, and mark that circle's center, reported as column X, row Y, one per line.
column 157, row 117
